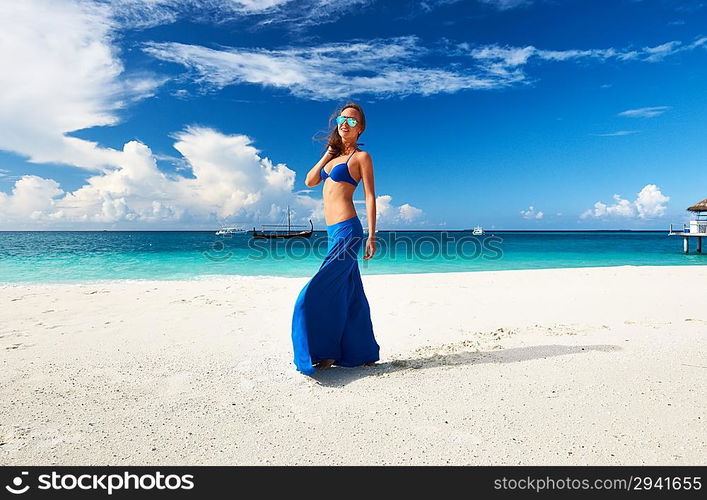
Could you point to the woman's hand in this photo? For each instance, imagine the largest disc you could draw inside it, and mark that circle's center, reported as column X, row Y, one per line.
column 370, row 247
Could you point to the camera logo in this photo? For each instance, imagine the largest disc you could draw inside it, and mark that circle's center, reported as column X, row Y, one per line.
column 17, row 482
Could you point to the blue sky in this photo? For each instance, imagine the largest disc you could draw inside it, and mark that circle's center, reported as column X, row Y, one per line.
column 165, row 114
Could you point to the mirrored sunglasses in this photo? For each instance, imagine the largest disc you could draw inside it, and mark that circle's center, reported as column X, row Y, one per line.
column 351, row 121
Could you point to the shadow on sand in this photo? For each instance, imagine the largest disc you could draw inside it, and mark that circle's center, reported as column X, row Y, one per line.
column 338, row 376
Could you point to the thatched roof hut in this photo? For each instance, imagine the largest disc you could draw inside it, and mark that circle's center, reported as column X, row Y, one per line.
column 699, row 206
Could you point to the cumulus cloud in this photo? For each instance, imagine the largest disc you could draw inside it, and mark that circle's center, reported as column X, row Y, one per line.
column 408, row 213
column 388, row 213
column 61, row 73
column 621, row 208
column 31, row 198
column 649, row 203
column 229, row 181
column 531, row 213
column 645, row 112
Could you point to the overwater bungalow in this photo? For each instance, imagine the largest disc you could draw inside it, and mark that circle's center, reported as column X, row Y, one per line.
column 696, row 228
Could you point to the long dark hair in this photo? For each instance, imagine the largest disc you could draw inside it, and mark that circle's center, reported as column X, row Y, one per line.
column 333, row 138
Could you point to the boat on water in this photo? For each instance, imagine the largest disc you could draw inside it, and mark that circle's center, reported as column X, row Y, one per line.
column 227, row 230
column 477, row 231
column 272, row 232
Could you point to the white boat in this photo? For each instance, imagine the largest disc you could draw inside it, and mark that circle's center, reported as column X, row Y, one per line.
column 225, row 230
column 477, row 231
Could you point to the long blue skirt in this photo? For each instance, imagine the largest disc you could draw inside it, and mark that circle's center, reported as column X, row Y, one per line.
column 332, row 318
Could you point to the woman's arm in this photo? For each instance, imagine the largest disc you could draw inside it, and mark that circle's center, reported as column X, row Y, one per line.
column 369, row 192
column 314, row 175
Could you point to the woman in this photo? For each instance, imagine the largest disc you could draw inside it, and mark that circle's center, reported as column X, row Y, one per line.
column 331, row 323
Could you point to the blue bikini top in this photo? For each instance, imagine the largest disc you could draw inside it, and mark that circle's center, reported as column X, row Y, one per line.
column 340, row 172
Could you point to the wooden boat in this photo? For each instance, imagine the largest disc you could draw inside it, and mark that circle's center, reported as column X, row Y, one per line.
column 283, row 233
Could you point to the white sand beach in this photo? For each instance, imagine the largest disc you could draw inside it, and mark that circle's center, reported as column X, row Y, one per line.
column 602, row 366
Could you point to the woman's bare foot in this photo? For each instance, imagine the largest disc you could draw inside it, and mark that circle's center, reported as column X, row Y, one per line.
column 324, row 364
column 372, row 363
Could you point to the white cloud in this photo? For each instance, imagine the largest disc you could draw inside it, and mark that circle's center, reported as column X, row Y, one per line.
column 509, row 56
column 229, row 181
column 645, row 112
column 31, row 197
column 507, row 4
column 618, row 133
column 498, row 4
column 142, row 14
column 408, row 213
column 382, row 67
column 503, row 56
column 621, row 208
column 60, row 74
column 531, row 213
column 503, row 59
column 649, row 204
column 659, row 52
column 389, row 214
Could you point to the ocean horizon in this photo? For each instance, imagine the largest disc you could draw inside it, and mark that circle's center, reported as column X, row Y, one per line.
column 87, row 256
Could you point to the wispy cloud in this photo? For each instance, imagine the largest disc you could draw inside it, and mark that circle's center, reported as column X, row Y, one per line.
column 380, row 67
column 500, row 59
column 428, row 5
column 297, row 14
column 507, row 4
column 140, row 14
column 649, row 204
column 618, row 133
column 645, row 112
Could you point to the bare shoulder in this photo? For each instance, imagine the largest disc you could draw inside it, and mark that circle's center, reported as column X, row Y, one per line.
column 364, row 157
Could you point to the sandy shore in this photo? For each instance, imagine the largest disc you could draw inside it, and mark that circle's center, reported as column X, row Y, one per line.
column 571, row 366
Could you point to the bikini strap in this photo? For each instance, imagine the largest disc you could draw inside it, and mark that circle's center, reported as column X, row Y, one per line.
column 347, row 159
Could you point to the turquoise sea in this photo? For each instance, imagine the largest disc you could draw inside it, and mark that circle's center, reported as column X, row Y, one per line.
column 78, row 256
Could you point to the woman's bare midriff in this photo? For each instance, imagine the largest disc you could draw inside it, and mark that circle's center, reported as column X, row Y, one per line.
column 338, row 201
column 338, row 196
